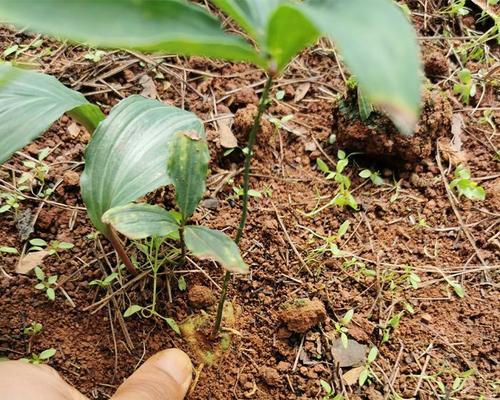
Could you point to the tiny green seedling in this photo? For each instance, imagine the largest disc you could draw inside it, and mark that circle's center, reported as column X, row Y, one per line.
column 54, row 247
column 341, row 327
column 47, row 284
column 466, row 87
column 344, row 196
column 33, row 329
column 465, row 186
column 456, row 8
column 41, row 358
column 360, row 268
column 330, row 394
column 106, row 282
column 367, row 373
column 8, row 250
column 95, row 55
column 16, row 50
column 374, row 176
column 10, row 202
column 36, row 175
column 457, row 287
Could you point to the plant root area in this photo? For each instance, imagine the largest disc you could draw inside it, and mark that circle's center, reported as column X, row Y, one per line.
column 417, row 264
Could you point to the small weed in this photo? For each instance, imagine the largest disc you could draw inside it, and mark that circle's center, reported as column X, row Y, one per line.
column 8, row 250
column 374, row 176
column 466, row 88
column 456, row 8
column 457, row 288
column 341, row 327
column 10, row 202
column 106, row 282
column 366, row 374
column 34, row 329
column 465, row 186
column 446, row 392
column 330, row 394
column 47, row 284
column 54, row 247
column 95, row 56
column 16, row 50
column 36, row 175
column 41, row 358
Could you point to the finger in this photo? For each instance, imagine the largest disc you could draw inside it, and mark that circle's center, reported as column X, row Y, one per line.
column 165, row 376
column 22, row 381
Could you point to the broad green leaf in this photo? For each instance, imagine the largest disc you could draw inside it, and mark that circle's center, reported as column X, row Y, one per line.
column 31, row 102
column 187, row 166
column 46, row 354
column 172, row 26
column 139, row 221
column 372, row 355
column 251, row 15
column 379, row 46
column 127, row 155
column 288, row 32
column 207, row 243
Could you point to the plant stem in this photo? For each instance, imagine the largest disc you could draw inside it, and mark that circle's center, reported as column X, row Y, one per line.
column 252, row 136
column 122, row 254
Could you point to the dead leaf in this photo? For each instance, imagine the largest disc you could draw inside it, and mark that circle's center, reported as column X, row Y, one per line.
column 148, row 87
column 226, row 135
column 30, row 261
column 352, row 355
column 74, row 130
column 301, row 91
column 24, row 223
column 351, row 377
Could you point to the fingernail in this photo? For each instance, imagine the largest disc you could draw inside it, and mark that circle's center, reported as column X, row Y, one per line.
column 177, row 364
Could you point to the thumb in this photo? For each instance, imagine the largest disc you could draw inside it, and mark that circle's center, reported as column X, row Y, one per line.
column 165, row 376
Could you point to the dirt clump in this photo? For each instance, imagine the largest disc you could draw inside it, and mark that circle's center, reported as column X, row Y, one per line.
column 378, row 137
column 243, row 121
column 71, row 178
column 303, row 314
column 201, row 296
column 436, row 64
column 270, row 376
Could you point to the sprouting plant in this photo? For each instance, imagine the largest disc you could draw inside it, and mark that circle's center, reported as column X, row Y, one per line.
column 33, row 329
column 421, row 224
column 360, row 268
column 465, row 186
column 239, row 192
column 280, row 122
column 106, row 282
column 374, row 176
column 366, row 374
column 41, row 358
column 392, row 323
column 330, row 243
column 95, row 55
column 53, row 247
column 330, row 393
column 341, row 327
column 466, row 87
column 10, row 202
column 457, row 287
column 446, row 392
column 184, row 27
column 344, row 196
column 46, row 283
column 38, row 171
column 8, row 250
column 457, row 8
column 17, row 49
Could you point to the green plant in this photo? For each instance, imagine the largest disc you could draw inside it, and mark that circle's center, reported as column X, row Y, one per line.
column 466, row 87
column 374, row 176
column 41, row 358
column 38, row 170
column 457, row 8
column 33, row 329
column 54, row 247
column 341, row 327
column 330, row 394
column 8, row 250
column 367, row 373
column 177, row 26
column 10, row 201
column 106, row 282
column 344, row 196
column 459, row 380
column 465, row 186
column 46, row 283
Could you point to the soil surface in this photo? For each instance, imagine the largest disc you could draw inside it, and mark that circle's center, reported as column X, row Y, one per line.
column 292, row 302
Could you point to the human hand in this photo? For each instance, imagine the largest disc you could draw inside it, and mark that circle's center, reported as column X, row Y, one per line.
column 165, row 376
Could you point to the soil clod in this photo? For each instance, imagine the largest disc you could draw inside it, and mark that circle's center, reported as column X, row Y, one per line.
column 303, row 314
column 201, row 297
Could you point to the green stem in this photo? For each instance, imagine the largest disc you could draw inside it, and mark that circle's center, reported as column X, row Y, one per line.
column 252, row 136
column 122, row 254
column 183, row 243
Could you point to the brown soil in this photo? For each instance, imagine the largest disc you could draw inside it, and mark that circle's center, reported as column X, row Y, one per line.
column 444, row 336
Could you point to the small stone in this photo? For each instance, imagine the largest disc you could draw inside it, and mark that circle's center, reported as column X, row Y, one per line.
column 303, row 314
column 352, row 355
column 71, row 178
column 211, row 203
column 283, row 366
column 426, row 317
column 201, row 296
column 270, row 376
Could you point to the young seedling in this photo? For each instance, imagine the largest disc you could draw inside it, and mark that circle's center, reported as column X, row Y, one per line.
column 367, row 373
column 54, row 247
column 41, row 358
column 465, row 186
column 330, row 393
column 47, row 284
column 344, row 196
column 33, row 329
column 106, row 282
column 466, row 87
column 8, row 250
column 10, row 202
column 374, row 176
column 341, row 327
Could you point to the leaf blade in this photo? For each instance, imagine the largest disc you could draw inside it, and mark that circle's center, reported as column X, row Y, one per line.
column 208, row 243
column 137, row 129
column 30, row 102
column 187, row 166
column 139, row 221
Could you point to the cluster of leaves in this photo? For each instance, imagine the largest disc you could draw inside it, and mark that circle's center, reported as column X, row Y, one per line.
column 46, row 283
column 41, row 358
column 466, row 87
column 465, row 186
